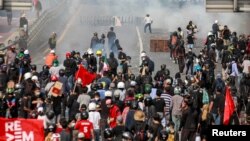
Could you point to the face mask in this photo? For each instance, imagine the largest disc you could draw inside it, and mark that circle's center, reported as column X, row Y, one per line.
column 96, row 98
column 73, row 124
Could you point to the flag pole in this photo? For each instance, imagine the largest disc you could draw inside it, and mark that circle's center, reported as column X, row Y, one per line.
column 74, row 89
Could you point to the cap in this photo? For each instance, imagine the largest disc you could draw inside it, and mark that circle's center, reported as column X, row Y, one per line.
column 132, row 83
column 68, row 54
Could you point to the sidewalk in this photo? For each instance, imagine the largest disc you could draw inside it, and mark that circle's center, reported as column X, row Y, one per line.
column 9, row 32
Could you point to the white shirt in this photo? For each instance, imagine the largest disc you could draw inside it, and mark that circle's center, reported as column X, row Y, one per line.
column 246, row 64
column 95, row 117
column 148, row 20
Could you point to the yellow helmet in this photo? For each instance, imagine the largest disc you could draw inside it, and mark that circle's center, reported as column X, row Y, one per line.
column 98, row 52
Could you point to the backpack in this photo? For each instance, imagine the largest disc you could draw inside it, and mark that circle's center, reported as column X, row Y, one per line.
column 28, row 88
column 140, row 134
column 205, row 97
column 219, row 84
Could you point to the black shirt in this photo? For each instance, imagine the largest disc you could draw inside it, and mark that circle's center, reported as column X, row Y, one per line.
column 159, row 104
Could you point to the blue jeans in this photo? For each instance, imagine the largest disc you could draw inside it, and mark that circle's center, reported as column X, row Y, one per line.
column 216, row 119
column 148, row 25
column 97, row 134
column 177, row 121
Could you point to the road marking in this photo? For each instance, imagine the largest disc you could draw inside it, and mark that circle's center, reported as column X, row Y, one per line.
column 140, row 43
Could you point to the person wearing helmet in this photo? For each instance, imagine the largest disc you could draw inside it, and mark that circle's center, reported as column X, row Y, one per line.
column 94, row 117
column 176, row 111
column 92, row 61
column 94, row 40
column 108, row 134
column 105, row 109
column 28, row 84
column 70, row 69
column 121, row 87
column 117, row 100
column 127, row 136
column 52, row 41
column 215, row 29
column 49, row 59
column 190, row 56
column 149, row 109
column 85, row 126
column 140, row 97
column 111, row 39
column 54, row 69
column 160, row 76
column 12, row 104
column 113, row 63
column 114, row 112
column 129, row 117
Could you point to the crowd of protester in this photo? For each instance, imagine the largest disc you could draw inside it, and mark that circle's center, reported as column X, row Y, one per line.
column 119, row 105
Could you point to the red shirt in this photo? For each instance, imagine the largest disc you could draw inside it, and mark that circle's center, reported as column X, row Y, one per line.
column 86, row 127
column 114, row 112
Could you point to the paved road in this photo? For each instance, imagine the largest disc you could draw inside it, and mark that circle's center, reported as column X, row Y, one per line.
column 76, row 36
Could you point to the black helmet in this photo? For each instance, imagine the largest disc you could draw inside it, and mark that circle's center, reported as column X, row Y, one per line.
column 93, row 86
column 134, row 105
column 127, row 136
column 61, row 72
column 148, row 101
column 108, row 133
column 99, row 86
column 163, row 135
column 50, row 115
column 128, row 103
column 163, row 66
column 85, row 115
column 33, row 67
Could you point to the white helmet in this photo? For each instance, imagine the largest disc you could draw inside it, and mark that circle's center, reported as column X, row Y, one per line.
column 209, row 33
column 108, row 94
column 216, row 21
column 27, row 75
column 92, row 106
column 177, row 90
column 26, row 52
column 34, row 78
column 117, row 93
column 90, row 51
column 143, row 54
column 132, row 83
column 121, row 85
column 52, row 51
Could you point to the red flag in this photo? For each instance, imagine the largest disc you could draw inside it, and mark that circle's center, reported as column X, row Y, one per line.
column 85, row 76
column 21, row 129
column 229, row 107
